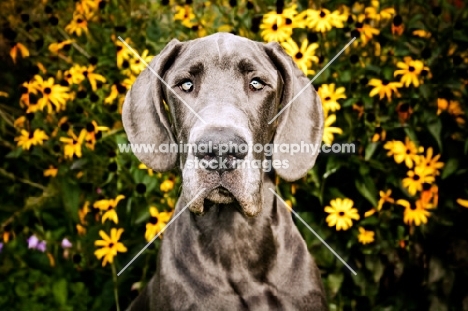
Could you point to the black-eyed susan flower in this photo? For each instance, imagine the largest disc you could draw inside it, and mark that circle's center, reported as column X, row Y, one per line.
column 323, row 20
column 462, row 202
column 75, row 74
column 416, row 178
column 414, row 213
column 430, row 161
column 185, row 14
column 51, row 171
column 18, row 49
column 28, row 139
column 430, row 195
column 341, row 213
column 384, row 88
column 123, row 53
column 93, row 77
column 278, row 27
column 108, row 207
column 73, row 144
column 385, row 197
column 365, row 237
column 142, row 166
column 303, row 56
column 403, row 152
column 329, row 131
column 167, row 185
column 410, row 70
column 452, row 107
column 54, row 96
column 110, row 246
column 92, row 128
column 377, row 14
column 156, row 223
column 78, row 25
column 329, row 96
column 136, row 65
column 19, row 123
column 56, row 47
column 379, row 134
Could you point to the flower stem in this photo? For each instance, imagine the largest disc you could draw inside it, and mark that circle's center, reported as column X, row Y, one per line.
column 116, row 291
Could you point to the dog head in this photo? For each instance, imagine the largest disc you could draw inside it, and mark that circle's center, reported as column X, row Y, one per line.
column 212, row 99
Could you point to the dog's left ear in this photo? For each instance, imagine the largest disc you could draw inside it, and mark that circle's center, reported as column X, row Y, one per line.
column 302, row 121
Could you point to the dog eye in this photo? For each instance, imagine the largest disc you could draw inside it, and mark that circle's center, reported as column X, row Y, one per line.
column 186, row 86
column 256, row 85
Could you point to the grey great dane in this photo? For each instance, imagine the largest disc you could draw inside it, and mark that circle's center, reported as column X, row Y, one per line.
column 236, row 248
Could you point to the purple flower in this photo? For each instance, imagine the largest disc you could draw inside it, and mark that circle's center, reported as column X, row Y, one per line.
column 41, row 246
column 1, row 246
column 33, row 241
column 66, row 244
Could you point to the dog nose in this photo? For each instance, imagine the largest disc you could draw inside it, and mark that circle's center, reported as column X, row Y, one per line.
column 220, row 150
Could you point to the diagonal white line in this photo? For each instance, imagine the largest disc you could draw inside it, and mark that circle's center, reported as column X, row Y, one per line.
column 161, row 79
column 311, row 81
column 160, row 232
column 312, row 230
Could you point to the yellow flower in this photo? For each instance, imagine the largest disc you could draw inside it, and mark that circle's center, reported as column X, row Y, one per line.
column 92, row 128
column 19, row 123
column 123, row 53
column 51, row 171
column 430, row 195
column 369, row 213
column 157, row 223
column 279, row 27
column 303, row 56
column 108, row 207
column 83, row 212
column 75, row 74
column 142, row 166
column 330, row 96
column 78, row 25
column 93, row 77
column 415, row 180
column 384, row 88
column 26, row 139
column 385, row 197
column 80, row 229
column 136, row 65
column 407, row 152
column 4, row 94
column 431, row 163
column 366, row 31
column 373, row 12
column 56, row 47
column 323, row 20
column 365, row 237
column 110, row 245
column 53, row 95
column 328, row 130
column 73, row 144
column 463, row 202
column 422, row 33
column 184, row 14
column 341, row 213
column 416, row 213
column 452, row 107
column 167, row 185
column 18, row 47
column 410, row 71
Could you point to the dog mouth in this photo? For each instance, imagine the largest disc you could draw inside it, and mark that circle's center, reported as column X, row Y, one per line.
column 220, row 195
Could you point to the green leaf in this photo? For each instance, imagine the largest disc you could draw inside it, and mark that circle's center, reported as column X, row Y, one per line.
column 334, row 282
column 367, row 190
column 60, row 291
column 435, row 129
column 370, row 149
column 449, row 168
column 71, row 198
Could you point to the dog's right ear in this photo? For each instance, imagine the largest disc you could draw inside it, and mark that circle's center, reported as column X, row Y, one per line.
column 144, row 118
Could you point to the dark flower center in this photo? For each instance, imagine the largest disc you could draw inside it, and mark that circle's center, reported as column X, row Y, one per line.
column 90, row 127
column 153, row 220
column 31, row 135
column 74, row 142
column 288, row 21
column 85, row 73
column 341, row 214
column 119, row 48
column 416, row 177
column 47, row 90
column 385, row 82
column 111, row 244
column 327, row 98
column 79, row 20
column 411, row 68
column 275, row 27
column 298, row 55
column 408, row 151
column 359, row 25
column 322, row 14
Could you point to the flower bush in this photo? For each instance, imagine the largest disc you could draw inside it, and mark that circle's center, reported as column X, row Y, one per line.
column 75, row 208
